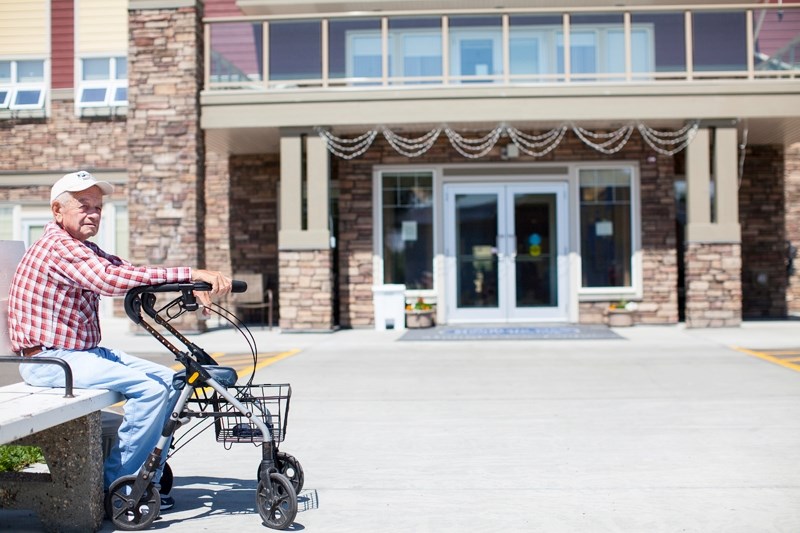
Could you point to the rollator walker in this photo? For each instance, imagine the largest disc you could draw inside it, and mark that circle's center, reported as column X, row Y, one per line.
column 254, row 414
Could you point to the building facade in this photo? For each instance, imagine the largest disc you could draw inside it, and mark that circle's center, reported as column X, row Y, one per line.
column 536, row 162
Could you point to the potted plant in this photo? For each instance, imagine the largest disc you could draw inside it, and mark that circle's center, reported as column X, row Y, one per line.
column 620, row 314
column 420, row 314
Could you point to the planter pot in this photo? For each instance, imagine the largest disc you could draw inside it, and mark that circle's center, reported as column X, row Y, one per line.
column 620, row 318
column 420, row 319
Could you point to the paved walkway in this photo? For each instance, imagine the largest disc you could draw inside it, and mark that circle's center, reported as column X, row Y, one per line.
column 663, row 430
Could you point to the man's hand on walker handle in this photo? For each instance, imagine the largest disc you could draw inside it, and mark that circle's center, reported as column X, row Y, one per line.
column 220, row 285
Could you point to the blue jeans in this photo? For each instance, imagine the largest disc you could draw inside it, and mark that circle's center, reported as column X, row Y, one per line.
column 147, row 387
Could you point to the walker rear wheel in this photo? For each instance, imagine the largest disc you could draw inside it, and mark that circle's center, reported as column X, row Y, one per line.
column 290, row 467
column 279, row 508
column 127, row 514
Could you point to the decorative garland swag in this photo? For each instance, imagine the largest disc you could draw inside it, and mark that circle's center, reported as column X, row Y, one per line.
column 663, row 142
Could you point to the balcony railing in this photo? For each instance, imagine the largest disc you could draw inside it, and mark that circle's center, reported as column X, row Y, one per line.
column 507, row 47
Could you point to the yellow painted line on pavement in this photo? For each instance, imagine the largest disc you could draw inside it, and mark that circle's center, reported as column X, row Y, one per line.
column 244, row 362
column 787, row 363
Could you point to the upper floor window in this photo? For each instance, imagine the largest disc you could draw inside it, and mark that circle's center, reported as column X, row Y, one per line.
column 22, row 84
column 104, row 82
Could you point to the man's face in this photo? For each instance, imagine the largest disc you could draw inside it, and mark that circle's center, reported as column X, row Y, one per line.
column 79, row 213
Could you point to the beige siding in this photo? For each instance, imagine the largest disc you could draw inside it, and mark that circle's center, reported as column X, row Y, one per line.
column 24, row 28
column 102, row 26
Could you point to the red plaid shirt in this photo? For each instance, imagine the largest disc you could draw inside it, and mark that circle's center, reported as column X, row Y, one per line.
column 57, row 286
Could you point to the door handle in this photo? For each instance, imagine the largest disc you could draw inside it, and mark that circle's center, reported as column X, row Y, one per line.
column 512, row 246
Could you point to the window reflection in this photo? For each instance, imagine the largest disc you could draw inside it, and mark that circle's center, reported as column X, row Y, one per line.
column 606, row 238
column 408, row 229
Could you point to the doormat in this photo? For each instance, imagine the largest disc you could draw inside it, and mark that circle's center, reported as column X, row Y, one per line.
column 511, row 332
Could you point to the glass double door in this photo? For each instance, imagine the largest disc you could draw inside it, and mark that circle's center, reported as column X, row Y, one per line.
column 506, row 252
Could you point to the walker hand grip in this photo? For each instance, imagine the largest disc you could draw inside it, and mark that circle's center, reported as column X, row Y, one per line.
column 236, row 286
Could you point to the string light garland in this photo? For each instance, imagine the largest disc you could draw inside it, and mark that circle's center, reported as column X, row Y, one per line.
column 675, row 140
column 347, row 148
column 663, row 142
column 411, row 147
column 529, row 143
column 474, row 148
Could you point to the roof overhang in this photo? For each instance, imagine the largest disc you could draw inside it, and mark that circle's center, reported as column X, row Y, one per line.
column 248, row 121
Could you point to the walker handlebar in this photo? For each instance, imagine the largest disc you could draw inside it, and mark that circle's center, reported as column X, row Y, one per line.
column 238, row 286
column 144, row 296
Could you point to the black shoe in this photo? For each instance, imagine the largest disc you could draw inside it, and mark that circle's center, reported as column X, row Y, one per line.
column 167, row 502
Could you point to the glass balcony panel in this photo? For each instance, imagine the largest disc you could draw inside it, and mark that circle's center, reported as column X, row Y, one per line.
column 417, row 49
column 777, row 40
column 476, row 49
column 532, row 49
column 354, row 48
column 719, row 41
column 295, row 50
column 236, row 52
column 593, row 48
column 667, row 33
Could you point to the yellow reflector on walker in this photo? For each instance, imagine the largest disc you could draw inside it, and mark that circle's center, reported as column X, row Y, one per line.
column 193, row 377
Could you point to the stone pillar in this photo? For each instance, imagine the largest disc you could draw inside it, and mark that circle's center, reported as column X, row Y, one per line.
column 165, row 143
column 306, row 290
column 792, row 202
column 164, row 137
column 218, row 212
column 713, row 285
column 712, row 261
column 305, row 260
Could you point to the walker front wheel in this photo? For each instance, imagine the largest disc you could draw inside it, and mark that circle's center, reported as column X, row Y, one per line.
column 279, row 508
column 127, row 514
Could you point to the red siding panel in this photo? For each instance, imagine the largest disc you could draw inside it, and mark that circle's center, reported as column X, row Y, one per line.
column 62, row 42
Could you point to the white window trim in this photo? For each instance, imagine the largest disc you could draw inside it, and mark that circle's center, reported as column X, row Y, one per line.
column 14, row 87
column 110, row 85
column 23, row 87
column 377, row 230
column 636, row 290
column 10, row 90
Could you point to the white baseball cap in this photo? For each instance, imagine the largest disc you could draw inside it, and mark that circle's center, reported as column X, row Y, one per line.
column 78, row 181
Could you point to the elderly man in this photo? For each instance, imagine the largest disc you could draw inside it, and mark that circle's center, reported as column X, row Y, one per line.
column 53, row 312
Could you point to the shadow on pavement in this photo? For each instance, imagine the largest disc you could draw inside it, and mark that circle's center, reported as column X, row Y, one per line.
column 198, row 497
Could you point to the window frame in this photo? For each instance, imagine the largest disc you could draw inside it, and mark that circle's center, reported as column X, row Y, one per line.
column 110, row 85
column 636, row 289
column 14, row 87
column 378, row 228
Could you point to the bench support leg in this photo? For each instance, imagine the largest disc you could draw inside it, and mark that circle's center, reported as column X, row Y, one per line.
column 70, row 498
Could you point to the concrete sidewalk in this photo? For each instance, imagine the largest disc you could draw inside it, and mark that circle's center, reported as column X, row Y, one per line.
column 665, row 429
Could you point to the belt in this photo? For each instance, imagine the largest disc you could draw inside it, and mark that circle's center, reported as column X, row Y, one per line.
column 30, row 352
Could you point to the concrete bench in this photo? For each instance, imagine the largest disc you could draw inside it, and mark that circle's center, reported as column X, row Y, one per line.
column 69, row 432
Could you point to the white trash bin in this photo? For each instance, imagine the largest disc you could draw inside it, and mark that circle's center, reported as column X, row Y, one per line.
column 390, row 306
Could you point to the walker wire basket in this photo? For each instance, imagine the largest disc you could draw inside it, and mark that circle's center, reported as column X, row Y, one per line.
column 269, row 402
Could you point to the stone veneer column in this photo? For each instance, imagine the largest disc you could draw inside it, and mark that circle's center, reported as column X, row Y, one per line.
column 305, row 258
column 218, row 212
column 165, row 143
column 792, row 202
column 713, row 253
column 306, row 288
column 713, row 285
